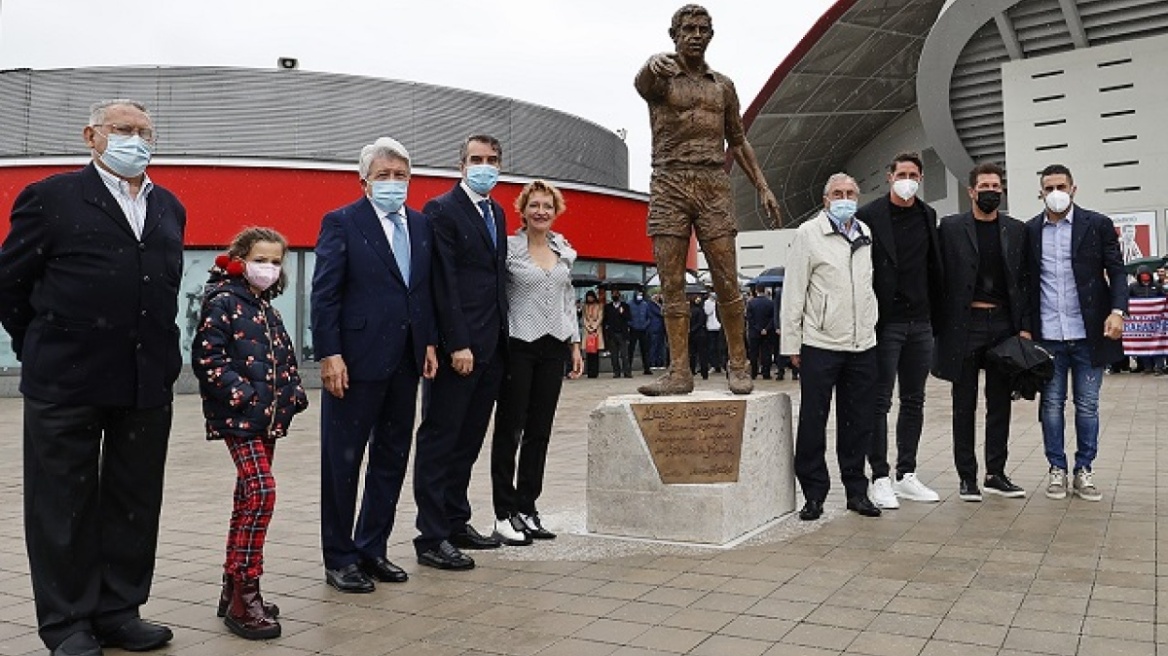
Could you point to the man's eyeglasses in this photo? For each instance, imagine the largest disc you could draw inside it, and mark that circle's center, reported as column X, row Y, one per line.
column 147, row 134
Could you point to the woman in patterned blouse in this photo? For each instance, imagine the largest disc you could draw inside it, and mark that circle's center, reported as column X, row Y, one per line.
column 543, row 333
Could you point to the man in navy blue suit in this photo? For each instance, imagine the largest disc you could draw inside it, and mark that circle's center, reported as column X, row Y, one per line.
column 1078, row 299
column 373, row 331
column 471, row 305
column 89, row 277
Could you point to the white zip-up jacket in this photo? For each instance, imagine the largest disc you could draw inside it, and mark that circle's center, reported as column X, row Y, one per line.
column 828, row 301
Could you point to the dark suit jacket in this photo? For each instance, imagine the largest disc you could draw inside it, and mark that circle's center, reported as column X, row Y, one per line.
column 361, row 306
column 959, row 254
column 760, row 316
column 616, row 321
column 1099, row 275
column 470, row 281
column 877, row 215
column 90, row 308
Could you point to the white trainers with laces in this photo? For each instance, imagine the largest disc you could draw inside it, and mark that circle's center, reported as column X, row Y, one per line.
column 910, row 487
column 1056, row 488
column 1085, row 486
column 881, row 494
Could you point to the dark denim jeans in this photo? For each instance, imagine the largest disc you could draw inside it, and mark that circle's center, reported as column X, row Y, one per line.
column 904, row 353
column 1072, row 357
column 987, row 328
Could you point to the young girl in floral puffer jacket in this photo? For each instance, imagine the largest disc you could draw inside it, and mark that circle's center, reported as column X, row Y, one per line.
column 246, row 366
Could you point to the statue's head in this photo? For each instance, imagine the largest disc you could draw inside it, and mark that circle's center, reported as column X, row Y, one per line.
column 691, row 30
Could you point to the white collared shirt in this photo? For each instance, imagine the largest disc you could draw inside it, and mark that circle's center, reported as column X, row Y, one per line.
column 134, row 207
column 475, row 197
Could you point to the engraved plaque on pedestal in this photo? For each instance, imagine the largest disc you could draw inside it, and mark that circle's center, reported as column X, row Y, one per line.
column 697, row 442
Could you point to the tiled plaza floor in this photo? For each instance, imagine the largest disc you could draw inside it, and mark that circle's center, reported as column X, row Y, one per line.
column 999, row 577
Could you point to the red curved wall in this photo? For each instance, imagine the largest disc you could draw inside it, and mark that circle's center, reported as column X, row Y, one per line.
column 220, row 200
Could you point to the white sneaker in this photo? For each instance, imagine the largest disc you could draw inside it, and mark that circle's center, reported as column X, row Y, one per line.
column 1057, row 487
column 880, row 492
column 511, row 532
column 910, row 487
column 1084, row 486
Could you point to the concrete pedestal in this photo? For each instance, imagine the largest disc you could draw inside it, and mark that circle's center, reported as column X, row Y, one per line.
column 626, row 496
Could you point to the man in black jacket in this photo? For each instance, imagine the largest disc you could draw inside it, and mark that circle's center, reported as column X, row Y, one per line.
column 617, row 317
column 89, row 277
column 760, row 332
column 906, row 263
column 986, row 301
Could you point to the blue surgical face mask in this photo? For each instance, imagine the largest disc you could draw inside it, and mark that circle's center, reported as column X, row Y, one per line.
column 126, row 156
column 842, row 210
column 388, row 195
column 482, row 178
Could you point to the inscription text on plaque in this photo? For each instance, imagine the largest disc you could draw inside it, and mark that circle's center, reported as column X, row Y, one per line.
column 698, row 442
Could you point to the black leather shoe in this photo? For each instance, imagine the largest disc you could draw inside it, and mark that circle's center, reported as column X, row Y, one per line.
column 469, row 538
column 535, row 527
column 136, row 635
column 349, row 578
column 81, row 643
column 445, row 556
column 811, row 511
column 384, row 571
column 862, row 505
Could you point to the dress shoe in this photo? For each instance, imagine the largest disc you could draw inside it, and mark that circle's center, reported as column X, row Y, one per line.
column 81, row 643
column 445, row 556
column 628, row 374
column 136, row 635
column 535, row 527
column 862, row 505
column 469, row 538
column 811, row 511
column 511, row 531
column 349, row 578
column 382, row 570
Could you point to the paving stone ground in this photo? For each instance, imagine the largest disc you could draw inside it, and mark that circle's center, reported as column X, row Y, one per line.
column 1006, row 576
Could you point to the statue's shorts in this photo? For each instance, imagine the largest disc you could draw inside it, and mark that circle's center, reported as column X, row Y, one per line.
column 685, row 198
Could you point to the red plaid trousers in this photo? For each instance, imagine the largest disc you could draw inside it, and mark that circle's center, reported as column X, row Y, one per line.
column 255, row 497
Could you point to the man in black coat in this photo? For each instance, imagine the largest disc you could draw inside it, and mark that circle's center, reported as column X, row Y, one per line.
column 617, row 330
column 760, row 332
column 1079, row 296
column 89, row 278
column 986, row 301
column 907, row 271
column 470, row 300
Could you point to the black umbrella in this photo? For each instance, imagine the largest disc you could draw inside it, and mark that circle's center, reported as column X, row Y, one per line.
column 770, row 277
column 584, row 280
column 622, row 282
column 1029, row 365
column 1152, row 263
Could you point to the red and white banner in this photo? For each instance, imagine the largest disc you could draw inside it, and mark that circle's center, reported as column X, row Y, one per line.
column 1145, row 330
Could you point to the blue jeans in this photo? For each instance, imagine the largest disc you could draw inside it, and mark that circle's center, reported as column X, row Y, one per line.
column 1073, row 356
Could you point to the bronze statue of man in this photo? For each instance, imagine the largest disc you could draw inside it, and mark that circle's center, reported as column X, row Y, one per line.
column 693, row 112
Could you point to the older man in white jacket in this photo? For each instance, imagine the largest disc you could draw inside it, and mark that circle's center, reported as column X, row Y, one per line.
column 829, row 330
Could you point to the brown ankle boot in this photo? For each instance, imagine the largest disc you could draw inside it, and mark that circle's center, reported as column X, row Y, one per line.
column 245, row 614
column 679, row 379
column 272, row 610
column 734, row 328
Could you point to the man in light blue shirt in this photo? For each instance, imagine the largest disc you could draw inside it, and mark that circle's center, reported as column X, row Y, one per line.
column 1081, row 298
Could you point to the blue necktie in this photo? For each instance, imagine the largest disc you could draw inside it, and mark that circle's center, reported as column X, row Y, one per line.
column 489, row 217
column 401, row 245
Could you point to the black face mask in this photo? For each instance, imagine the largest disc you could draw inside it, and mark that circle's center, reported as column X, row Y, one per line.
column 988, row 201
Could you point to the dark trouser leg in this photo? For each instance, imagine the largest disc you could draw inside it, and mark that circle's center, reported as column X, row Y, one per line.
column 389, row 451
column 854, row 409
column 998, row 394
column 618, row 345
column 471, row 435
column 592, row 364
column 541, row 412
column 823, row 368
column 639, row 339
column 510, row 420
column 698, row 354
column 916, row 357
column 889, row 341
column 765, row 355
column 964, row 394
column 346, row 425
column 445, row 400
column 92, row 492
